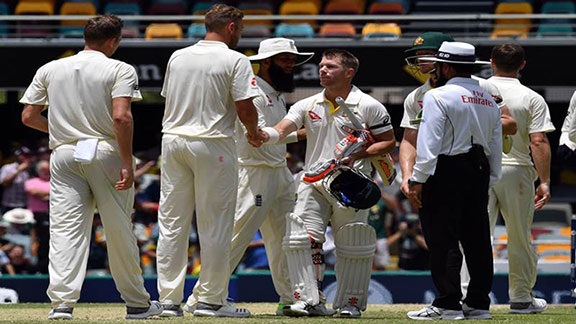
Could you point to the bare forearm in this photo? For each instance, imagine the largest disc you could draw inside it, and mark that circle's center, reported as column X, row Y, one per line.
column 123, row 131
column 31, row 117
column 407, row 158
column 541, row 155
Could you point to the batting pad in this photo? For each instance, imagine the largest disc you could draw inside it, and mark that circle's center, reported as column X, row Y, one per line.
column 301, row 270
column 355, row 248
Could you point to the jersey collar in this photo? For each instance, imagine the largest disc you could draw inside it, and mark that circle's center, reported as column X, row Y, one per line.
column 266, row 87
column 211, row 43
column 91, row 52
column 505, row 79
column 460, row 80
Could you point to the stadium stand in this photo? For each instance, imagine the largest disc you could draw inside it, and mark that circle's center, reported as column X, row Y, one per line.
column 163, row 31
column 294, row 30
column 388, row 31
column 512, row 28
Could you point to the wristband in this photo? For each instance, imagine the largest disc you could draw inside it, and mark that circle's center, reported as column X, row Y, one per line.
column 273, row 135
column 291, row 138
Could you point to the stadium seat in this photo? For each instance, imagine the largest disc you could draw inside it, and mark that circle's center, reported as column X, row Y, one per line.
column 37, row 28
column 77, row 8
column 4, row 10
column 163, row 30
column 174, row 8
column 71, row 32
column 196, row 30
column 388, row 8
column 512, row 28
column 182, row 2
column 96, row 3
column 337, row 30
column 256, row 12
column 260, row 31
column 202, row 6
column 556, row 27
column 124, row 9
column 294, row 30
column 299, row 8
column 318, row 3
column 454, row 7
column 343, row 8
column 388, row 31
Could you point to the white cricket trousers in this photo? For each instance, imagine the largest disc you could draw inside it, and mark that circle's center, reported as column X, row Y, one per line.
column 266, row 197
column 513, row 196
column 74, row 190
column 199, row 173
column 316, row 208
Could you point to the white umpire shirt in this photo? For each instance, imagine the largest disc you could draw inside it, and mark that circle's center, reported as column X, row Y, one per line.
column 324, row 123
column 271, row 107
column 201, row 86
column 79, row 90
column 413, row 102
column 531, row 114
column 454, row 116
column 568, row 136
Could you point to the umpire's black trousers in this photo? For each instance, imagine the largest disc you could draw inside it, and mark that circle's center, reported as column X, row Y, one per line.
column 455, row 210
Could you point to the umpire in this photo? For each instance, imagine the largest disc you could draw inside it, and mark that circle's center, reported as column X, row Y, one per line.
column 459, row 151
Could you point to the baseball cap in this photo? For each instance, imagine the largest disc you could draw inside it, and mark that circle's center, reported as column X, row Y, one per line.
column 429, row 40
column 273, row 46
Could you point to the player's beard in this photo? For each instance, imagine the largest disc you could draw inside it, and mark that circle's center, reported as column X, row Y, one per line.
column 440, row 78
column 283, row 82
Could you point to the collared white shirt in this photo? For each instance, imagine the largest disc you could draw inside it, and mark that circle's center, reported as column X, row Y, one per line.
column 414, row 100
column 455, row 116
column 201, row 86
column 271, row 106
column 79, row 90
column 568, row 136
column 324, row 130
column 531, row 114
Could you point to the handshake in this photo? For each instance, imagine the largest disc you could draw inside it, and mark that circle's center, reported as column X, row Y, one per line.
column 258, row 138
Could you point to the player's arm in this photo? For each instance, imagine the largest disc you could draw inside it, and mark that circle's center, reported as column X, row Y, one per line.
column 407, row 156
column 277, row 133
column 383, row 143
column 572, row 121
column 248, row 115
column 32, row 117
column 509, row 126
column 541, row 155
column 123, row 132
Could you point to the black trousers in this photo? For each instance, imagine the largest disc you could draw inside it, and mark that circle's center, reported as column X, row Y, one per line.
column 566, row 156
column 455, row 210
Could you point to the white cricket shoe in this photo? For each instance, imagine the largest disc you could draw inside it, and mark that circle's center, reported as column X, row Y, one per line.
column 538, row 305
column 228, row 310
column 349, row 311
column 320, row 310
column 61, row 314
column 171, row 310
column 144, row 313
column 299, row 308
column 475, row 313
column 436, row 313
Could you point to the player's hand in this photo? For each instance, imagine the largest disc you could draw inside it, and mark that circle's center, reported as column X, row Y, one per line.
column 258, row 138
column 126, row 178
column 542, row 195
column 405, row 187
column 349, row 160
column 415, row 194
column 24, row 165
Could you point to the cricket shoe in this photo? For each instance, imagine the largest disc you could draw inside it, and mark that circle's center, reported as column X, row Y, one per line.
column 435, row 313
column 320, row 310
column 472, row 313
column 349, row 311
column 280, row 309
column 171, row 310
column 143, row 312
column 61, row 314
column 299, row 308
column 537, row 305
column 228, row 310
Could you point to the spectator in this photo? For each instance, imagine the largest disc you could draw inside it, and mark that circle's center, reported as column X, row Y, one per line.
column 412, row 249
column 20, row 263
column 43, row 153
column 5, row 265
column 21, row 221
column 38, row 190
column 13, row 176
column 5, row 244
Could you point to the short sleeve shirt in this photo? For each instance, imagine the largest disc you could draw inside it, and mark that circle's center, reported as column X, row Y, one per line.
column 324, row 129
column 201, row 86
column 531, row 114
column 79, row 92
column 568, row 136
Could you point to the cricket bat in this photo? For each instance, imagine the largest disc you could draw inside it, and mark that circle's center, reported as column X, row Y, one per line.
column 384, row 164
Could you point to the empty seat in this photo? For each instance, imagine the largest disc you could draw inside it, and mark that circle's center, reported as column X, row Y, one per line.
column 77, row 8
column 459, row 6
column 388, row 31
column 4, row 10
column 299, row 8
column 170, row 8
column 337, row 30
column 515, row 28
column 389, row 8
column 556, row 27
column 34, row 8
column 257, row 12
column 256, row 31
column 71, row 32
column 163, row 30
column 37, row 28
column 197, row 30
column 343, row 8
column 202, row 6
column 124, row 9
column 96, row 3
column 294, row 30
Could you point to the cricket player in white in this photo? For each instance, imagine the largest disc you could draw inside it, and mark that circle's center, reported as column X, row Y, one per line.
column 267, row 190
column 90, row 127
column 514, row 195
column 566, row 150
column 207, row 86
column 315, row 208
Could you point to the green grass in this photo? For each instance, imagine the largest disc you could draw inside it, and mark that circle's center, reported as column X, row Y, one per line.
column 263, row 313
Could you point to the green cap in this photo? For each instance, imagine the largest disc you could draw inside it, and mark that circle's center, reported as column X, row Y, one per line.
column 429, row 40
